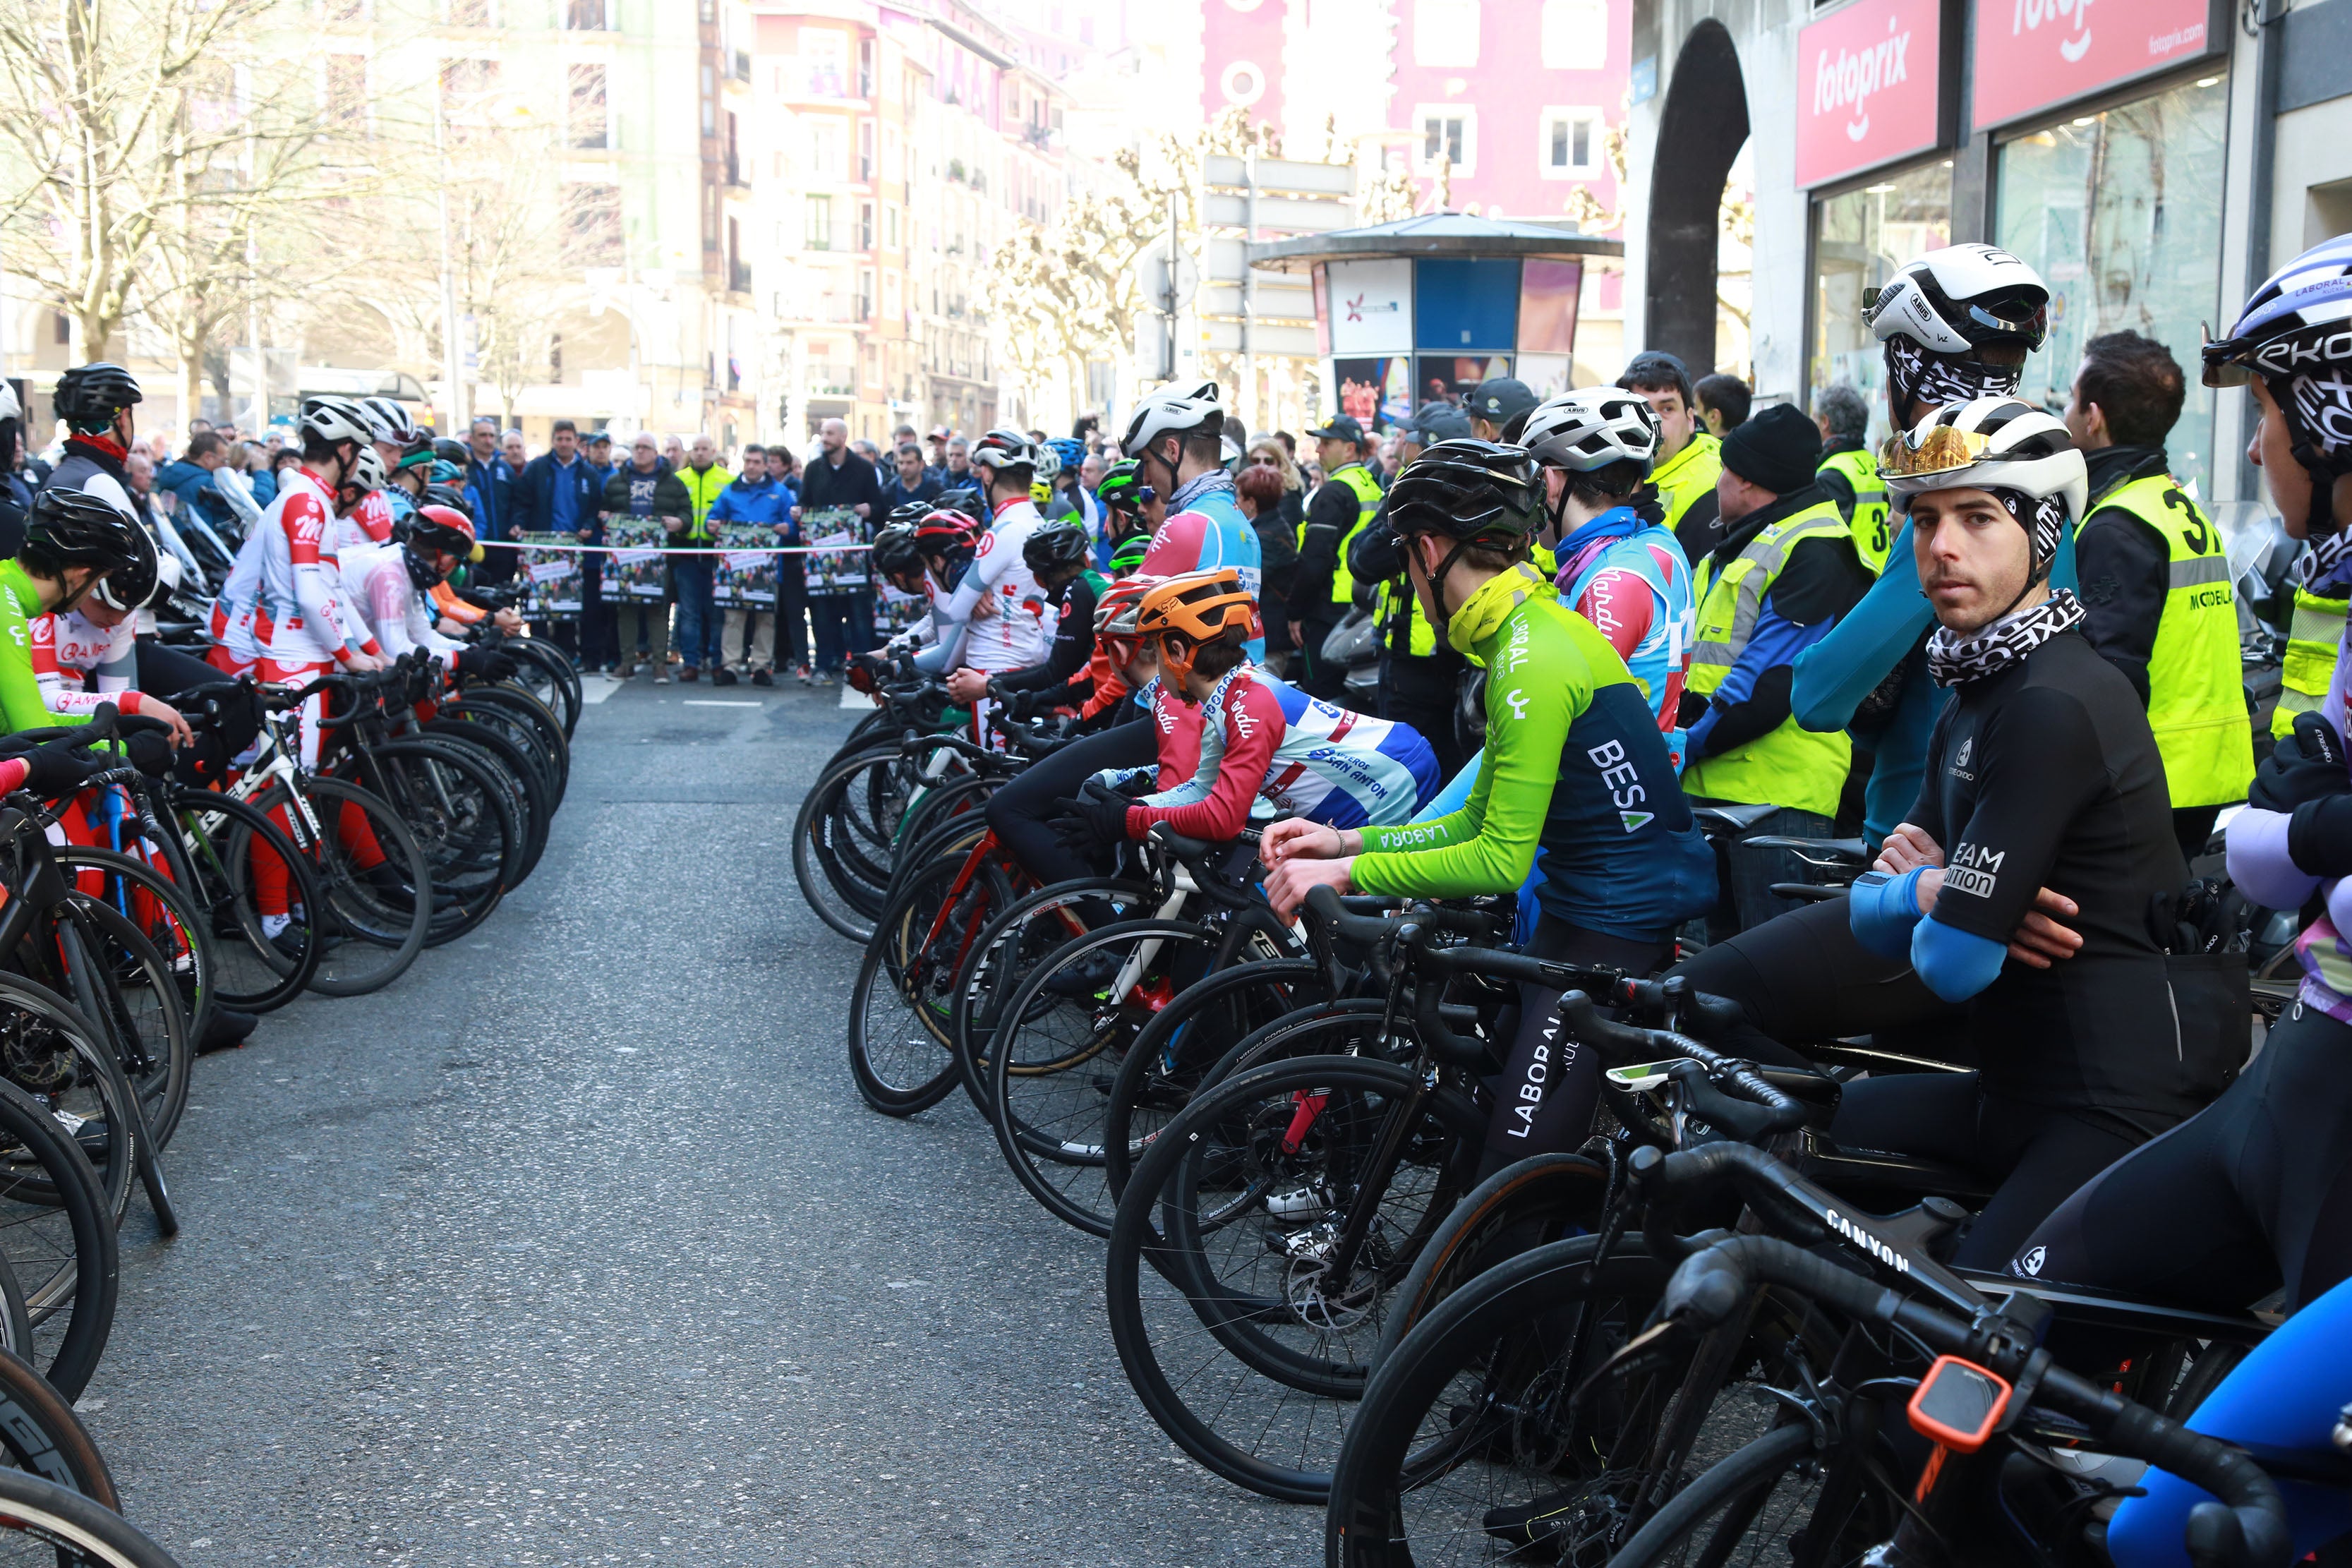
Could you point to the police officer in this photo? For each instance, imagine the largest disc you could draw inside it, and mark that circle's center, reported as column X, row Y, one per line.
column 1497, row 408
column 1689, row 458
column 2155, row 580
column 1322, row 588
column 1421, row 675
column 1784, row 572
column 1849, row 474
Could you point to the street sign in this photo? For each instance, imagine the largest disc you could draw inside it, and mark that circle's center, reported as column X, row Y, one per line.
column 1151, row 277
column 1277, row 215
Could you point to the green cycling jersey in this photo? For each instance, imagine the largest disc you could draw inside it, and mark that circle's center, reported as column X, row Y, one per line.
column 1574, row 765
column 20, row 693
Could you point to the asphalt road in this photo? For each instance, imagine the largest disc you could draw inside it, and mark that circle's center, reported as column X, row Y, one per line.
column 576, row 1244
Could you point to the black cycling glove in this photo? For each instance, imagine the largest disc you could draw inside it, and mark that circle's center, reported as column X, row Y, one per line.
column 1097, row 817
column 485, row 664
column 56, row 771
column 151, row 753
column 2304, row 767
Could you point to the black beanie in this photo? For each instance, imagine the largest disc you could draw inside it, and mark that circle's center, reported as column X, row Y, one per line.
column 1777, row 451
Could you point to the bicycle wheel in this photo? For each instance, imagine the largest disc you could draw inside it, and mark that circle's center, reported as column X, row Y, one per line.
column 1771, row 1500
column 51, row 1051
column 534, row 807
column 532, row 713
column 841, row 838
column 462, row 818
column 142, row 890
column 1014, row 943
column 40, row 1433
column 900, row 1052
column 1249, row 1338
column 136, row 994
column 543, row 670
column 43, row 1523
column 56, row 1231
column 528, row 739
column 375, row 893
column 219, row 843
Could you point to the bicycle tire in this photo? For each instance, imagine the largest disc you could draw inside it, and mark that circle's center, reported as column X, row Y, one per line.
column 192, row 955
column 1277, row 1397
column 156, row 1057
column 462, row 819
column 57, row 1525
column 1727, row 1495
column 40, row 1433
column 526, row 737
column 368, row 939
column 537, row 806
column 58, row 1234
column 996, row 970
column 843, row 885
column 901, row 1077
column 563, row 677
column 544, row 721
column 216, row 864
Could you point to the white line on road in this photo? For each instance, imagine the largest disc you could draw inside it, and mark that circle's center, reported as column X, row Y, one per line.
column 596, row 689
column 721, row 703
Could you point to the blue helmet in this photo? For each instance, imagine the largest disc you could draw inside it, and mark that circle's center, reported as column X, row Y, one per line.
column 2295, row 334
column 1071, row 450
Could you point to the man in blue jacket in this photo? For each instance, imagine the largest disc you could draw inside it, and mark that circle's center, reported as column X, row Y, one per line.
column 559, row 491
column 749, row 639
column 189, row 478
column 489, row 486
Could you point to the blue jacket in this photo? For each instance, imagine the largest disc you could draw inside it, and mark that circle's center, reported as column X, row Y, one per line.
column 193, row 486
column 490, row 486
column 533, row 505
column 766, row 503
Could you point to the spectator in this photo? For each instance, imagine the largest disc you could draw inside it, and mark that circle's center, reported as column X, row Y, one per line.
column 1723, row 403
column 190, row 480
column 16, row 490
column 910, row 482
column 791, row 569
column 138, row 470
column 490, row 488
column 200, row 426
column 1498, row 407
column 1289, row 443
column 691, row 574
column 259, row 475
column 1260, row 488
column 283, row 458
column 869, row 451
column 674, row 452
column 558, row 492
column 959, row 475
column 512, row 449
column 649, row 489
column 938, row 463
column 600, row 455
column 748, row 643
column 842, row 620
column 904, row 436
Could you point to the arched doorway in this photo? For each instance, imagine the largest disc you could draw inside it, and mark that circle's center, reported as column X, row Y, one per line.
column 1700, row 131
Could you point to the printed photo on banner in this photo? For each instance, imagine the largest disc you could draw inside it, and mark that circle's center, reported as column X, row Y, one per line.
column 895, row 611
column 552, row 576
column 832, row 532
column 746, row 575
column 633, row 570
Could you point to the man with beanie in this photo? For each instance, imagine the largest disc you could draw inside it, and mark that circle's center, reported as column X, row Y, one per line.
column 1421, row 673
column 1688, row 460
column 1784, row 572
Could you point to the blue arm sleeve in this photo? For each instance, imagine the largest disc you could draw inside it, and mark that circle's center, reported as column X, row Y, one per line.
column 1455, row 793
column 1883, row 910
column 1952, row 963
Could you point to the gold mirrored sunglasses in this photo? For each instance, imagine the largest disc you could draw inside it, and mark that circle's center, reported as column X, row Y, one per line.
column 1940, row 451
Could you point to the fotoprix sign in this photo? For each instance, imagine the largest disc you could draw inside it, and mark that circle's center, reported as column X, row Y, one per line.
column 2032, row 55
column 1867, row 81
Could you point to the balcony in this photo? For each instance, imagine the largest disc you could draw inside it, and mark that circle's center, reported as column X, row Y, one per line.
column 739, row 67
column 738, row 277
column 738, row 176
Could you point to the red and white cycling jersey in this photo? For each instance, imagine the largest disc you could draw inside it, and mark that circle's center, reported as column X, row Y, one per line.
column 1021, row 632
column 279, row 602
column 397, row 614
column 69, row 648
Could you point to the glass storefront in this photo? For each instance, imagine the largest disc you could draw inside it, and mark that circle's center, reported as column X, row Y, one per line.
column 1860, row 238
column 2121, row 214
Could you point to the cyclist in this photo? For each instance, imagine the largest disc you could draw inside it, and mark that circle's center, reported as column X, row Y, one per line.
column 1573, row 764
column 1131, row 515
column 1057, row 556
column 1010, row 633
column 74, row 540
column 2255, row 1192
column 1064, row 496
column 940, row 544
column 1176, row 435
column 1619, row 569
column 2042, row 772
column 391, row 588
column 94, row 401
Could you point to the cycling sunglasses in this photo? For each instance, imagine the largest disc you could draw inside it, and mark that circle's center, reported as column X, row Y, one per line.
column 1135, row 499
column 1941, row 450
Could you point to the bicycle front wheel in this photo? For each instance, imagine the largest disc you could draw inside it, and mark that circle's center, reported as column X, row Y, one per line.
column 375, row 893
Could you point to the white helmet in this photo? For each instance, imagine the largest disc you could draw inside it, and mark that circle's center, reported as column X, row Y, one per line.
column 1999, row 443
column 1003, row 449
column 1592, row 429
column 399, row 428
column 1962, row 297
column 367, row 471
column 9, row 408
column 1173, row 410
column 337, row 419
column 1048, row 466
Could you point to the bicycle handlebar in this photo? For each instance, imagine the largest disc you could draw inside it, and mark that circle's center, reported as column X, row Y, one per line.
column 2248, row 1528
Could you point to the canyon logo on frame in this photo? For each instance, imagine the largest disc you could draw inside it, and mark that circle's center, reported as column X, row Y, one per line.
column 2032, row 55
column 1867, row 89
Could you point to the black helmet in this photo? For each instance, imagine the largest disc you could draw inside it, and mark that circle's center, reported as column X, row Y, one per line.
column 1477, row 491
column 73, row 528
column 450, row 449
column 966, row 501
column 1057, row 547
column 895, row 554
column 89, row 396
column 449, row 496
column 907, row 513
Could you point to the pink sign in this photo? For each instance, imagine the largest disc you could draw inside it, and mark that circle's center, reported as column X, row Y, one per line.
column 2034, row 54
column 1866, row 88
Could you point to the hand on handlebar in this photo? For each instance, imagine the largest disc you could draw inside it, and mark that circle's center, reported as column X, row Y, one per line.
column 509, row 621
column 170, row 717
column 968, row 685
column 1296, row 839
column 1287, row 887
column 56, row 769
column 367, row 662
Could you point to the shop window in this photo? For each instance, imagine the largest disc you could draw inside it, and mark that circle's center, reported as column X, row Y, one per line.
column 1576, row 34
column 2118, row 212
column 1569, row 145
column 1445, row 32
column 1860, row 238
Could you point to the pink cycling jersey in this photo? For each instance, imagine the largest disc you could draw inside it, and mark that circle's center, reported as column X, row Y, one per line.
column 1021, row 632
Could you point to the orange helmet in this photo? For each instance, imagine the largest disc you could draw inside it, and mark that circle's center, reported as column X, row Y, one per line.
column 1192, row 610
column 1115, row 616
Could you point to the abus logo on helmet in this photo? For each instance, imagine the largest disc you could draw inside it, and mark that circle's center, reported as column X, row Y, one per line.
column 2031, row 14
column 1848, row 78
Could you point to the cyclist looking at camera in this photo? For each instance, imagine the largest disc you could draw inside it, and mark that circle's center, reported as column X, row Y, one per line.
column 1573, row 764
